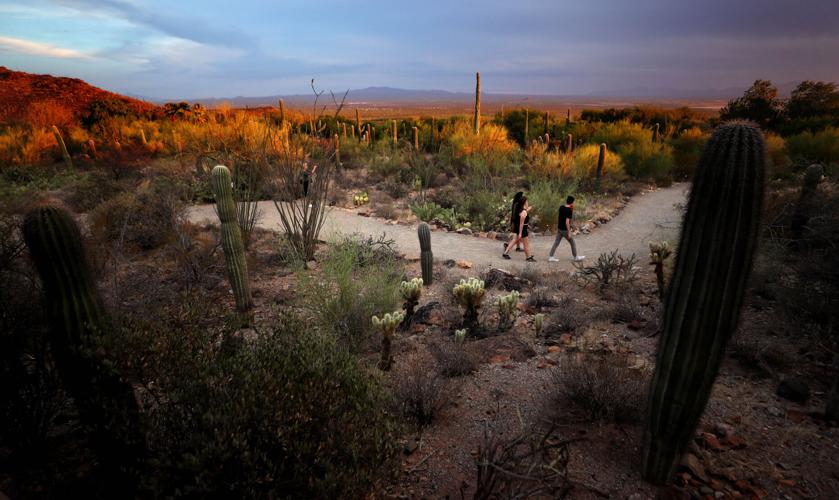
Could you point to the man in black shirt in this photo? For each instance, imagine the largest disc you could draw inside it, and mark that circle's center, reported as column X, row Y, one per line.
column 564, row 230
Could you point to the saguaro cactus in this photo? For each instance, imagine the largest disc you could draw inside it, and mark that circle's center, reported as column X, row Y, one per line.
column 426, row 256
column 713, row 261
column 526, row 127
column 601, row 159
column 337, row 141
column 393, row 132
column 476, row 122
column 64, row 154
column 416, row 139
column 387, row 325
column 91, row 146
column 567, row 118
column 231, row 238
column 358, row 123
column 656, row 132
column 546, row 123
column 80, row 328
column 282, row 113
column 804, row 209
column 570, row 148
column 143, row 137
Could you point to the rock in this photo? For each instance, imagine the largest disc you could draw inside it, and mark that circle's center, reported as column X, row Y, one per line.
column 505, row 279
column 464, row 230
column 796, row 416
column 774, row 411
column 499, row 358
column 795, row 389
column 410, row 447
column 723, row 430
column 554, row 348
column 692, row 464
column 502, row 237
column 734, row 442
column 635, row 325
column 566, row 338
column 364, row 214
column 711, row 442
column 491, row 235
column 644, row 301
column 449, row 263
column 481, row 234
column 706, row 490
column 464, row 264
column 429, row 314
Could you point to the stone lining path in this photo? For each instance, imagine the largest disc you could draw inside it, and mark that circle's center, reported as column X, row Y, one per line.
column 649, row 216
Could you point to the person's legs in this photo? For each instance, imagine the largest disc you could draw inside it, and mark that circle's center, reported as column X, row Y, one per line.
column 573, row 245
column 557, row 241
column 515, row 241
column 526, row 246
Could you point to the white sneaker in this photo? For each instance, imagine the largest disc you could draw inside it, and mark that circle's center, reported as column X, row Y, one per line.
column 579, row 258
column 553, row 259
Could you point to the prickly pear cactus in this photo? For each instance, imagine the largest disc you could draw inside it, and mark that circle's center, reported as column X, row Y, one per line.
column 426, row 256
column 470, row 295
column 231, row 238
column 387, row 325
column 714, row 257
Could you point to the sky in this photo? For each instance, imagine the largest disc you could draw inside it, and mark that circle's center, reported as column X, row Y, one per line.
column 211, row 48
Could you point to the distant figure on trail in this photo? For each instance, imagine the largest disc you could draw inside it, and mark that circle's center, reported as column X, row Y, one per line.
column 516, row 200
column 521, row 223
column 564, row 230
column 305, row 175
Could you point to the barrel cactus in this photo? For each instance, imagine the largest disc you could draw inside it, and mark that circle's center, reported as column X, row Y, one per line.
column 713, row 261
column 426, row 256
column 507, row 309
column 387, row 325
column 659, row 252
column 470, row 295
column 231, row 238
column 80, row 331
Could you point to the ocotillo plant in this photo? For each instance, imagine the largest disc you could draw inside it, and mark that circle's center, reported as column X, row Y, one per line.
column 601, row 159
column 659, row 252
column 476, row 121
column 358, row 124
column 64, row 154
column 507, row 310
column 393, row 132
column 713, row 261
column 79, row 332
column 387, row 325
column 470, row 294
column 410, row 291
column 804, row 209
column 426, row 256
column 416, row 139
column 231, row 238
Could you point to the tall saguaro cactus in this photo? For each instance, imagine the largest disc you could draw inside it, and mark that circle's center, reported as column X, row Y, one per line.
column 476, row 122
column 394, row 132
column 570, row 143
column 526, row 127
column 282, row 113
column 64, row 154
column 79, row 329
column 231, row 238
column 426, row 256
column 713, row 261
column 656, row 132
column 546, row 123
column 337, row 142
column 416, row 139
column 567, row 118
column 358, row 123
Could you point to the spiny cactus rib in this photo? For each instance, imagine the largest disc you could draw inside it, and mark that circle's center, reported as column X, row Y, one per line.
column 476, row 120
column 714, row 258
column 337, row 143
column 79, row 325
column 570, row 148
column 231, row 238
column 426, row 256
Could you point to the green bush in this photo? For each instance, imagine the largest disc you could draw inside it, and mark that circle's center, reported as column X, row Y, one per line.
column 485, row 209
column 821, row 147
column 642, row 158
column 687, row 149
column 349, row 292
column 547, row 196
column 286, row 413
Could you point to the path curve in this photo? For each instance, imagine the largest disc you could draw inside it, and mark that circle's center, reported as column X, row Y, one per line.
column 649, row 216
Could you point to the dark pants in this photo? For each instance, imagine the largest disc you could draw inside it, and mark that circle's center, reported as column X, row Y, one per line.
column 558, row 240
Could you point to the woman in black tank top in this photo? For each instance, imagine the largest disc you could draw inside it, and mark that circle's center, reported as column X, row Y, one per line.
column 521, row 223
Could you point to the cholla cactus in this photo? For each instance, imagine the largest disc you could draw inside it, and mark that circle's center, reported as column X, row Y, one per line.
column 470, row 294
column 659, row 252
column 387, row 325
column 507, row 311
column 459, row 336
column 360, row 199
column 539, row 322
column 410, row 291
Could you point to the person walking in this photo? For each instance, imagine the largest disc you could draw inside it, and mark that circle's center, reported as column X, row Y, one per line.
column 521, row 224
column 564, row 230
column 516, row 200
column 305, row 176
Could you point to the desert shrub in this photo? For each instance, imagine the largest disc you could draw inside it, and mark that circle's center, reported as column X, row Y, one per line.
column 547, row 196
column 822, row 147
column 485, row 209
column 568, row 316
column 626, row 310
column 197, row 257
column 541, row 163
column 386, row 209
column 420, row 391
column 491, row 145
column 145, row 219
column 779, row 164
column 765, row 353
column 94, row 188
column 27, row 146
column 286, row 413
column 447, row 196
column 394, row 189
column 453, row 359
column 642, row 158
column 609, row 269
column 604, row 387
column 540, row 298
column 531, row 274
column 427, row 211
column 357, row 281
column 687, row 149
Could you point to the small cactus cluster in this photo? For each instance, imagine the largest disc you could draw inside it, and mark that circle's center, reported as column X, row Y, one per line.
column 507, row 310
column 659, row 252
column 459, row 336
column 716, row 248
column 426, row 256
column 231, row 238
column 360, row 199
column 410, row 291
column 470, row 294
column 387, row 324
column 538, row 322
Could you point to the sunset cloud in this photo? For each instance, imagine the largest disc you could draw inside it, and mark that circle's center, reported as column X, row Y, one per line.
column 11, row 44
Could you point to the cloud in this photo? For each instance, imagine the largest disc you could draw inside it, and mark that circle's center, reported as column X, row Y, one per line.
column 12, row 44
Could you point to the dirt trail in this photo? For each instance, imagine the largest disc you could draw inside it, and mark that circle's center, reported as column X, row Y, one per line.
column 651, row 215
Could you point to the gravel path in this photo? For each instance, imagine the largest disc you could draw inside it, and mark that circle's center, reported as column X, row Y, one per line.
column 650, row 215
